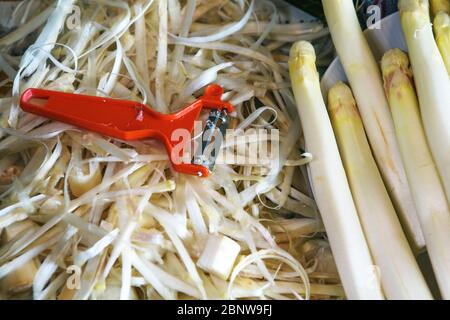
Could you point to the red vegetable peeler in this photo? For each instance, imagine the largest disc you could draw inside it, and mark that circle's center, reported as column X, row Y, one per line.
column 129, row 120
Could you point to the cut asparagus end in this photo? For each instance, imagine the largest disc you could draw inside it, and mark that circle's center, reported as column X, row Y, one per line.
column 219, row 256
column 84, row 179
column 22, row 278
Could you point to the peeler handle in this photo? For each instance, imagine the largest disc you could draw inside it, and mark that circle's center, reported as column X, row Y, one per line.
column 121, row 119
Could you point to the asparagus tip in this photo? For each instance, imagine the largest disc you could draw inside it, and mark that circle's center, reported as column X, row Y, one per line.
column 341, row 101
column 303, row 50
column 394, row 59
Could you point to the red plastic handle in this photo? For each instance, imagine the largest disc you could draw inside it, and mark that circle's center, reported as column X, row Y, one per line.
column 122, row 119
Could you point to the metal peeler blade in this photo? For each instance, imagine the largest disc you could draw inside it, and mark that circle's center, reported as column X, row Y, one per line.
column 211, row 140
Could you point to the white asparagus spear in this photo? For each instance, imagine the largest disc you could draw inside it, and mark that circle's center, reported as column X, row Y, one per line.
column 428, row 192
column 400, row 275
column 329, row 183
column 432, row 82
